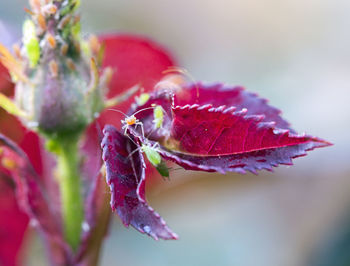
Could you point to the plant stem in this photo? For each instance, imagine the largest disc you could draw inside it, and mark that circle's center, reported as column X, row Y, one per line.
column 71, row 197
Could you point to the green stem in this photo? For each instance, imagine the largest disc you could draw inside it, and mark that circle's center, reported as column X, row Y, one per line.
column 70, row 184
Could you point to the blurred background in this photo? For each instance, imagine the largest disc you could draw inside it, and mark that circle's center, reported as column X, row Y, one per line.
column 295, row 53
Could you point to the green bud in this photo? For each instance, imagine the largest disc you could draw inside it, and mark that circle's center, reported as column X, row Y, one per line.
column 61, row 93
column 61, row 103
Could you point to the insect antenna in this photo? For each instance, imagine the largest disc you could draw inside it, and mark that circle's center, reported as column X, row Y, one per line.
column 185, row 72
column 144, row 109
column 118, row 111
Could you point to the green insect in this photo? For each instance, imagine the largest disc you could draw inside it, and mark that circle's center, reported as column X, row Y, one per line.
column 158, row 115
column 155, row 159
column 152, row 154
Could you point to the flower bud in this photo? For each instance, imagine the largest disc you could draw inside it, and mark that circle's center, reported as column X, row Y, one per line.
column 60, row 92
column 57, row 102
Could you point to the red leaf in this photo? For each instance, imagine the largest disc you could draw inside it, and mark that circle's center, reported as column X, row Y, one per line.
column 237, row 137
column 219, row 94
column 32, row 147
column 12, row 127
column 32, row 197
column 6, row 86
column 16, row 221
column 242, row 162
column 9, row 125
column 205, row 130
column 13, row 223
column 135, row 60
column 126, row 178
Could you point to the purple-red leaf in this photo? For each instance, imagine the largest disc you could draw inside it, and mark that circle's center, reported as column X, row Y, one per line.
column 241, row 134
column 219, row 94
column 6, row 86
column 126, row 178
column 32, row 197
column 13, row 223
column 240, row 163
column 136, row 60
column 205, row 130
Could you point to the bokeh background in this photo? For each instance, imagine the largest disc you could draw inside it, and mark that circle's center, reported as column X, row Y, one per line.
column 295, row 53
